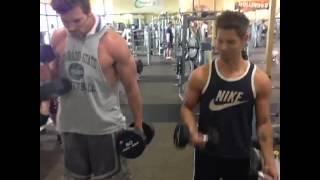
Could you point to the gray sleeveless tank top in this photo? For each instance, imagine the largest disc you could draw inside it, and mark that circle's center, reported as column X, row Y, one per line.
column 92, row 107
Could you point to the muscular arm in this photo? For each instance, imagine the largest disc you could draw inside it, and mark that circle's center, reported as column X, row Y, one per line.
column 193, row 90
column 57, row 39
column 264, row 126
column 45, row 74
column 126, row 69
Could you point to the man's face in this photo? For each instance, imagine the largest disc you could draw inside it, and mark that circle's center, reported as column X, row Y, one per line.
column 229, row 44
column 76, row 21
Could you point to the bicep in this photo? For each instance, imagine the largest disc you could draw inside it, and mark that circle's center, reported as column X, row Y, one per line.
column 126, row 69
column 263, row 101
column 192, row 92
column 54, row 64
column 125, row 64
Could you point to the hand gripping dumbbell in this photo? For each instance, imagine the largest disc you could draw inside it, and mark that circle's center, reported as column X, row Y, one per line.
column 131, row 142
column 55, row 88
column 181, row 137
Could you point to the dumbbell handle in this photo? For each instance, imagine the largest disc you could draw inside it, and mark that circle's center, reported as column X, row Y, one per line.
column 264, row 176
column 205, row 138
column 210, row 137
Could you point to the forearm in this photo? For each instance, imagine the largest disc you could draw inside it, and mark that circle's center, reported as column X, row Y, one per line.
column 266, row 141
column 189, row 119
column 54, row 69
column 135, row 103
column 45, row 107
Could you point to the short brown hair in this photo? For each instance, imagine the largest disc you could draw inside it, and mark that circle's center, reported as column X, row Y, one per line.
column 233, row 20
column 63, row 6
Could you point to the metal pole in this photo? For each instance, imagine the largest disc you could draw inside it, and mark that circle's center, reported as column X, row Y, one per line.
column 182, row 78
column 104, row 9
column 148, row 45
column 159, row 34
column 193, row 6
column 270, row 36
column 132, row 41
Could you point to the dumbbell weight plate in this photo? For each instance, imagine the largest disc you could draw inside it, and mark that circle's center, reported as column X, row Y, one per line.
column 130, row 144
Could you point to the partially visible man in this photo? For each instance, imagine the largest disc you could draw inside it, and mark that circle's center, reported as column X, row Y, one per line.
column 46, row 55
column 169, row 39
column 227, row 90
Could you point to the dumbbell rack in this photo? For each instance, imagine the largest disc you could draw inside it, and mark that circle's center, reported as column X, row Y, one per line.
column 141, row 44
column 186, row 19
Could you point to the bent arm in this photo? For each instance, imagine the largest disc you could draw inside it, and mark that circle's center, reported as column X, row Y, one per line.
column 191, row 99
column 57, row 38
column 264, row 126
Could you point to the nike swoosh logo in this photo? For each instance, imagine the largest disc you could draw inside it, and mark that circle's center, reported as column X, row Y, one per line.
column 219, row 107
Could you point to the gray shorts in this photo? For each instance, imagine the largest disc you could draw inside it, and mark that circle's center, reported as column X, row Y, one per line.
column 93, row 156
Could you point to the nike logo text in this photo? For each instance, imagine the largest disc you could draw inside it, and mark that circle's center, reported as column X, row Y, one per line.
column 219, row 107
column 226, row 99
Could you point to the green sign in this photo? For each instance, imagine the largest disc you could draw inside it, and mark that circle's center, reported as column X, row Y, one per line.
column 143, row 3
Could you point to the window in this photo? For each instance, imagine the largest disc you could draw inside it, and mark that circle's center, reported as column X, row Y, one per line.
column 42, row 8
column 53, row 24
column 43, row 23
column 50, row 11
column 60, row 24
column 46, row 38
column 98, row 7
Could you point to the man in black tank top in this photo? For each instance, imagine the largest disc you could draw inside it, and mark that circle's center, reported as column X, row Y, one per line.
column 227, row 90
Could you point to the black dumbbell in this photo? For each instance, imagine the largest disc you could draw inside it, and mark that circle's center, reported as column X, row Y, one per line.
column 181, row 137
column 55, row 89
column 46, row 53
column 256, row 165
column 131, row 142
column 139, row 66
column 255, row 162
column 43, row 119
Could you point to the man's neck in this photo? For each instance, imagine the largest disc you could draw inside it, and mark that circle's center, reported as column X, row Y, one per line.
column 233, row 64
column 92, row 22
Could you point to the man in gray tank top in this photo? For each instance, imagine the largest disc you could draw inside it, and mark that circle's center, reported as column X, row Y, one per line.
column 96, row 60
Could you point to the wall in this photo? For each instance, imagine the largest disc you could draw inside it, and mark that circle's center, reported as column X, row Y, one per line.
column 253, row 15
column 125, row 6
column 185, row 5
column 128, row 6
column 45, row 1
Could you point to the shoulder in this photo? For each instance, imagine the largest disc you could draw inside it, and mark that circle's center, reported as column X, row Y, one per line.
column 262, row 81
column 198, row 78
column 115, row 45
column 113, row 41
column 58, row 36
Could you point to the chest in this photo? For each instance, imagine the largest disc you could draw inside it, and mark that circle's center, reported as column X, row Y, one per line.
column 90, row 59
column 225, row 93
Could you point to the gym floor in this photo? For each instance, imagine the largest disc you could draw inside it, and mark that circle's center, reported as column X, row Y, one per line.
column 160, row 161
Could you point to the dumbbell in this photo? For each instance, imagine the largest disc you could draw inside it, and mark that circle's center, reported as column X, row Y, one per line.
column 139, row 65
column 43, row 119
column 256, row 165
column 131, row 142
column 55, row 89
column 46, row 53
column 255, row 162
column 181, row 137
